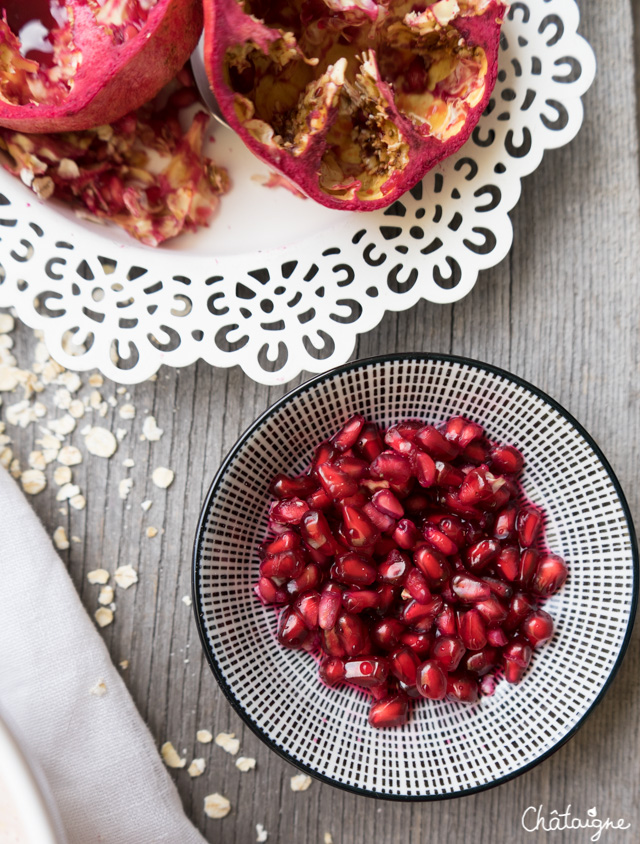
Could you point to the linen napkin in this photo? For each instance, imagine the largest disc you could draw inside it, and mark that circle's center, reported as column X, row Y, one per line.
column 98, row 756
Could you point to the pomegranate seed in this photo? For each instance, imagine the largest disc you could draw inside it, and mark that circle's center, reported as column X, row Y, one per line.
column 447, row 651
column 432, row 441
column 496, row 637
column 439, row 540
column 446, row 621
column 417, row 586
column 432, row 564
column 537, row 627
column 462, row 431
column 481, row 554
column 498, row 500
column 385, row 634
column 282, row 486
column 492, row 610
column 528, row 566
column 323, row 453
column 462, row 687
column 292, row 631
column 394, row 568
column 287, row 541
column 391, row 711
column 358, row 602
column 452, row 527
column 431, row 681
column 409, row 428
column 336, row 483
column 307, row 605
column 420, row 643
column 269, row 593
column 386, row 596
column 310, row 578
column 504, row 527
column 498, row 587
column 506, row 458
column 359, row 529
column 332, row 670
column 513, row 673
column 447, row 592
column 286, row 564
column 349, row 434
column 415, row 503
column 379, row 520
column 482, row 661
column 425, row 467
column 329, row 606
column 353, row 570
column 518, row 650
column 385, row 501
column 473, row 631
column 476, row 486
column 392, row 467
column 410, row 691
column 508, row 562
column 447, row 475
column 470, row 589
column 406, row 534
column 369, row 443
column 395, row 440
column 319, row 500
column 519, row 608
column 451, row 501
column 351, row 633
column 528, row 525
column 550, row 575
column 477, row 452
column 384, row 546
column 421, row 616
column 331, row 644
column 353, row 466
column 316, row 532
column 368, row 671
column 404, row 664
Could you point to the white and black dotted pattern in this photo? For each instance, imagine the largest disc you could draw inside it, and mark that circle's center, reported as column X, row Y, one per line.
column 446, row 748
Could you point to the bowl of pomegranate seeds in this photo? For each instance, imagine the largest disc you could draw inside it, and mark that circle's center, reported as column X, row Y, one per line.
column 415, row 576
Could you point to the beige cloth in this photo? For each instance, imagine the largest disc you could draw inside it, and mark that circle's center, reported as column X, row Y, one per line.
column 97, row 754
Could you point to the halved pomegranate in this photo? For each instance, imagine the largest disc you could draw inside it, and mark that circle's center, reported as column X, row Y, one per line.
column 76, row 64
column 353, row 100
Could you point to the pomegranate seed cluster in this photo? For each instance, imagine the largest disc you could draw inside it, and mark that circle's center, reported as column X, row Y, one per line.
column 406, row 560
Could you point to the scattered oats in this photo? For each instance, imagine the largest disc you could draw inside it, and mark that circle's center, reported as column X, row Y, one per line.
column 71, row 381
column 62, row 398
column 150, row 429
column 62, row 475
column 60, row 539
column 216, row 806
column 104, row 616
column 85, row 430
column 121, row 433
column 127, row 411
column 78, row 502
column 50, row 370
column 99, row 689
column 101, row 442
column 204, row 736
column 96, row 380
column 170, row 756
column 124, row 664
column 106, row 596
column 146, row 505
column 95, row 399
column 228, row 742
column 21, row 414
column 124, row 487
column 129, row 463
column 151, row 532
column 8, row 378
column 125, row 576
column 112, row 400
column 6, row 456
column 121, row 391
column 33, row 481
column 7, row 323
column 39, row 410
column 261, row 834
column 162, row 477
column 76, row 409
column 67, row 491
column 69, row 455
column 196, row 767
column 36, row 460
column 328, row 838
column 300, row 782
column 98, row 576
column 76, row 539
column 63, row 511
column 103, row 409
column 63, row 426
column 245, row 763
column 153, row 377
column 14, row 468
column 186, row 600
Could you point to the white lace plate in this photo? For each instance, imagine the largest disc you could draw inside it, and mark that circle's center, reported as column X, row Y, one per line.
column 278, row 284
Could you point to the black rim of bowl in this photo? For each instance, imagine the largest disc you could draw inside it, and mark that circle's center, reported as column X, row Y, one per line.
column 310, row 384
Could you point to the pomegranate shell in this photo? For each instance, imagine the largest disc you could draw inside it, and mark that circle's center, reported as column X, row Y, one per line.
column 354, row 102
column 111, row 78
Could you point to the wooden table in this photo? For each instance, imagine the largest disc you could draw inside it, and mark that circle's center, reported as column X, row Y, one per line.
column 562, row 311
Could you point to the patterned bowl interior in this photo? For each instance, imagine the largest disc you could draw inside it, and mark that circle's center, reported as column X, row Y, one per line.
column 446, row 748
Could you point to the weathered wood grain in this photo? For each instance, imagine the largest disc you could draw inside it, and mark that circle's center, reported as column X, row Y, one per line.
column 562, row 311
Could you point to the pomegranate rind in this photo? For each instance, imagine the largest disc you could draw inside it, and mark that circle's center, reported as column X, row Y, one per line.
column 109, row 79
column 406, row 146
